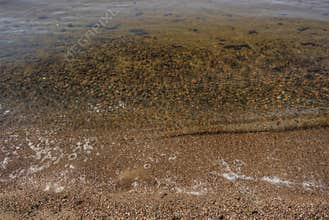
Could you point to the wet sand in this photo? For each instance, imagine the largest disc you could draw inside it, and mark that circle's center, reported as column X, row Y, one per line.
column 95, row 174
column 167, row 115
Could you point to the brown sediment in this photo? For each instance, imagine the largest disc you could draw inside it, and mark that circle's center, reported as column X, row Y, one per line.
column 217, row 176
column 88, row 137
column 160, row 79
column 269, row 125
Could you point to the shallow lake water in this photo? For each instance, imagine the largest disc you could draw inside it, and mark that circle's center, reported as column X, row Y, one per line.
column 29, row 24
column 247, row 43
column 212, row 109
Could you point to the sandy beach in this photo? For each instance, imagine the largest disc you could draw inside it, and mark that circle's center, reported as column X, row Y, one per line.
column 92, row 174
column 152, row 110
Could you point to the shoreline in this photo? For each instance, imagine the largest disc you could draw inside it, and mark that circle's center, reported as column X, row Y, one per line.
column 121, row 131
column 230, row 175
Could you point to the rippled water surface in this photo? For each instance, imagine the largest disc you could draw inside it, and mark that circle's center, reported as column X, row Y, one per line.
column 55, row 19
column 244, row 55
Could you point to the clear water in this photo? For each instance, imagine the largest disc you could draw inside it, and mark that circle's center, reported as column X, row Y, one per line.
column 24, row 22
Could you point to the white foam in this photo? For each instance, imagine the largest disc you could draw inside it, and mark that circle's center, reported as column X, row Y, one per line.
column 135, row 184
column 192, row 192
column 276, row 181
column 87, row 146
column 58, row 189
column 47, row 188
column 197, row 189
column 173, row 157
column 5, row 162
column 98, row 108
column 309, row 185
column 234, row 176
column 3, row 112
column 120, row 105
column 37, row 168
column 55, row 187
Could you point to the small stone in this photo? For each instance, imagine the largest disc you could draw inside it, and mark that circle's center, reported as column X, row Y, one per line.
column 251, row 32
